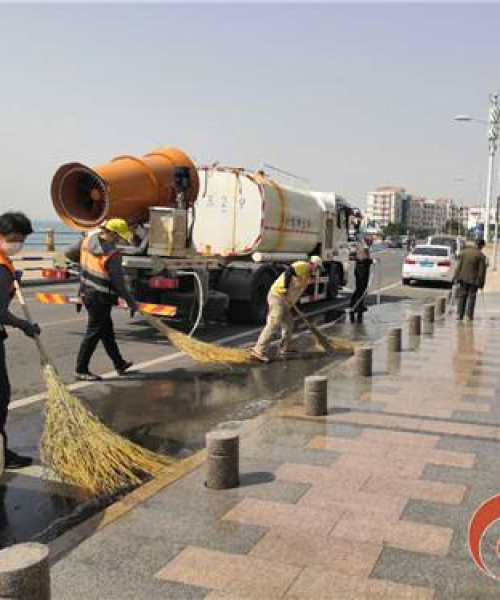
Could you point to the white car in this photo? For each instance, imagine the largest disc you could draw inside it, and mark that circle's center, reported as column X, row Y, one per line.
column 429, row 263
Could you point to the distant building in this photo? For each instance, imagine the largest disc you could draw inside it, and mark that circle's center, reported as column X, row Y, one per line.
column 391, row 204
column 386, row 205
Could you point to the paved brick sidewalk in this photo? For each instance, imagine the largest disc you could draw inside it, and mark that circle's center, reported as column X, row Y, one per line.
column 372, row 501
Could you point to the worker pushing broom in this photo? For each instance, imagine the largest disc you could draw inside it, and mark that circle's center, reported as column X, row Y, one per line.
column 282, row 299
column 75, row 446
column 14, row 229
column 102, row 282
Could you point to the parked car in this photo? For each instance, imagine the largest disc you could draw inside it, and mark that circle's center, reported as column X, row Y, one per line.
column 394, row 242
column 429, row 263
column 456, row 243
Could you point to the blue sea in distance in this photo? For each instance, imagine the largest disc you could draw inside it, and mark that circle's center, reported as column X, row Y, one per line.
column 63, row 235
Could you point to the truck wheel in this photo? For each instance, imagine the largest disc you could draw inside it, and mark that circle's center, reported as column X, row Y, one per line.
column 333, row 284
column 256, row 309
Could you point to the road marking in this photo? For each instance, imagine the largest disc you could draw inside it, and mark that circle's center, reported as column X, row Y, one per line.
column 22, row 402
column 387, row 287
column 50, row 323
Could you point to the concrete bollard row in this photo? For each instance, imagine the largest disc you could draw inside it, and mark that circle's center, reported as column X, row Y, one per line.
column 364, row 361
column 24, row 572
column 415, row 325
column 316, row 395
column 394, row 337
column 223, row 449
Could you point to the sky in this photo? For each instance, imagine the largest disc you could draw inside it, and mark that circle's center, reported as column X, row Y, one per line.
column 350, row 96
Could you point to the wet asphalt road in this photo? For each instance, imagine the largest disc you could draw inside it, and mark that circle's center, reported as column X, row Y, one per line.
column 169, row 404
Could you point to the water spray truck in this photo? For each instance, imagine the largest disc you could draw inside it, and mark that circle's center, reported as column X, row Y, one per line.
column 212, row 239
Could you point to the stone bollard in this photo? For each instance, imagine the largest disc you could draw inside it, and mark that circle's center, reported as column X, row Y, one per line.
column 49, row 241
column 363, row 358
column 24, row 572
column 222, row 459
column 429, row 313
column 429, row 317
column 316, row 395
column 415, row 325
column 441, row 306
column 394, row 339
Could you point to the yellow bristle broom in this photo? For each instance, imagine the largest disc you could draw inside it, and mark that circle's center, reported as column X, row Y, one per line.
column 212, row 353
column 78, row 448
column 197, row 350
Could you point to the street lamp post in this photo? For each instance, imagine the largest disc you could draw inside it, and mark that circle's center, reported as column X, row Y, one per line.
column 492, row 139
column 495, row 239
column 492, row 144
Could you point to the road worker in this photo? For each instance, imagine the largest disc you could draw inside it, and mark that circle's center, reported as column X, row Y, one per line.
column 14, row 228
column 101, row 284
column 363, row 263
column 283, row 295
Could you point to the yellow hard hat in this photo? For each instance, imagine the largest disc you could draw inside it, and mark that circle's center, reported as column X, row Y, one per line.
column 120, row 227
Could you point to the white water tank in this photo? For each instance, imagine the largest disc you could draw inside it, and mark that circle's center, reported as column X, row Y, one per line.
column 239, row 213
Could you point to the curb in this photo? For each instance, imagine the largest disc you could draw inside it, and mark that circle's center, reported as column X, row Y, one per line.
column 76, row 535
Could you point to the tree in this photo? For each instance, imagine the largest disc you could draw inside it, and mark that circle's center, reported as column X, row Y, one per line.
column 452, row 227
column 393, row 229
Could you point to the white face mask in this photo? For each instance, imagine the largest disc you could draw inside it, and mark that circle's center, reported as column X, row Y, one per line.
column 12, row 248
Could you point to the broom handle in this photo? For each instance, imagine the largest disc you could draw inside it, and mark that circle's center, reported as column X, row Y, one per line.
column 44, row 357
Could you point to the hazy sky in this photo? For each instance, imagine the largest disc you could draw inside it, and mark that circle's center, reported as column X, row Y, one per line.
column 350, row 96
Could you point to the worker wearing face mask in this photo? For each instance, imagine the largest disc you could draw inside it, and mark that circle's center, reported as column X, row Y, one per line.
column 14, row 228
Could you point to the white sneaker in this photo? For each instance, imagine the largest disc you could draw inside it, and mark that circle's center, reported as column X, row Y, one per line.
column 259, row 356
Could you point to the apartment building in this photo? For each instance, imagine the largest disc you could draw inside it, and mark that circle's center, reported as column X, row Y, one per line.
column 391, row 204
column 386, row 205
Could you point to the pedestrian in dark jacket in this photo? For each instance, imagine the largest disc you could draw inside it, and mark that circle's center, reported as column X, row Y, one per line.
column 14, row 228
column 470, row 276
column 362, row 277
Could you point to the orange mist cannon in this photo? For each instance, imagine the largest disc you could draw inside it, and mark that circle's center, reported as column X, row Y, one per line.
column 126, row 188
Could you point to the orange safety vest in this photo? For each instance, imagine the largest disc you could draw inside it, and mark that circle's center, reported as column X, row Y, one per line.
column 94, row 272
column 6, row 262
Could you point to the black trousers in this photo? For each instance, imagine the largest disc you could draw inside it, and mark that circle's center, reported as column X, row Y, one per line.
column 466, row 299
column 361, row 285
column 99, row 329
column 4, row 391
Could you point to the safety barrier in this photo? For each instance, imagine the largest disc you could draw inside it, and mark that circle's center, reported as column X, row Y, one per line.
column 159, row 310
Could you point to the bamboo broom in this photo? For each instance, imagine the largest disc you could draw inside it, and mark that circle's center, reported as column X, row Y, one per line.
column 212, row 353
column 197, row 350
column 78, row 448
column 321, row 338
